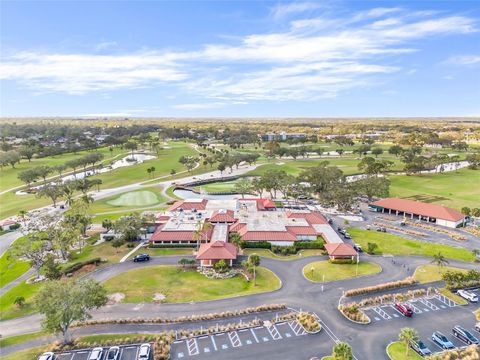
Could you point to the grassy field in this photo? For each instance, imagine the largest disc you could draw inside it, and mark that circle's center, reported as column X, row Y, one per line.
column 164, row 251
column 12, row 340
column 98, row 218
column 166, row 160
column 11, row 268
column 8, row 310
column 333, row 272
column 271, row 255
column 9, row 175
column 454, row 189
column 430, row 273
column 30, row 354
column 146, row 197
column 396, row 351
column 141, row 285
column 396, row 245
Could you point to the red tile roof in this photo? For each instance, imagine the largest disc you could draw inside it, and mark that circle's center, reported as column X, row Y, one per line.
column 301, row 230
column 186, row 205
column 311, row 217
column 217, row 250
column 420, row 208
column 174, row 235
column 226, row 216
column 262, row 204
column 341, row 249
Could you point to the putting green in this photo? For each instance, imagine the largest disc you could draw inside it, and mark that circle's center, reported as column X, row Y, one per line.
column 135, row 198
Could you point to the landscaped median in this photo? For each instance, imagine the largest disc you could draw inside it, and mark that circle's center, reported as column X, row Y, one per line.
column 397, row 351
column 320, row 271
column 397, row 245
column 172, row 285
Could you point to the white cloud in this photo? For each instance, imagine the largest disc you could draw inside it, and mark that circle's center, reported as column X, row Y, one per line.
column 465, row 60
column 81, row 73
column 104, row 45
column 314, row 58
column 285, row 9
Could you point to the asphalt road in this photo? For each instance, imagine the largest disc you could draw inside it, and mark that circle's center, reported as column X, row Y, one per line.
column 296, row 291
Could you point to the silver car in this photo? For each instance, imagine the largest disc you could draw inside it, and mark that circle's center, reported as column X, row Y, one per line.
column 96, row 354
column 144, row 352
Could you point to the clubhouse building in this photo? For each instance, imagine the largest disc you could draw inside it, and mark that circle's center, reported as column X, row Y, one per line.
column 431, row 213
column 207, row 224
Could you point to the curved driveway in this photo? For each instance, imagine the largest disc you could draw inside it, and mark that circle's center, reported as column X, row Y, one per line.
column 296, row 292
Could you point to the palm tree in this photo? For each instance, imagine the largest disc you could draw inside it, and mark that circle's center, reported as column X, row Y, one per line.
column 439, row 260
column 342, row 351
column 22, row 214
column 254, row 261
column 407, row 335
column 235, row 239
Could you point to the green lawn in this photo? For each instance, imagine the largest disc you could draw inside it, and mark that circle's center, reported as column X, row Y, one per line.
column 140, row 285
column 270, row 254
column 430, row 273
column 17, row 339
column 396, row 351
column 9, row 175
column 333, row 272
column 396, row 245
column 98, row 218
column 165, row 251
column 11, row 268
column 8, row 310
column 454, row 189
column 145, row 197
column 29, row 354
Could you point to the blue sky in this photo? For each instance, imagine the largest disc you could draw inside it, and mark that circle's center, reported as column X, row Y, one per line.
column 240, row 59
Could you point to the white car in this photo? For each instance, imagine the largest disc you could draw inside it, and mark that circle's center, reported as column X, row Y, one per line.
column 96, row 354
column 477, row 326
column 468, row 295
column 112, row 353
column 144, row 352
column 47, row 356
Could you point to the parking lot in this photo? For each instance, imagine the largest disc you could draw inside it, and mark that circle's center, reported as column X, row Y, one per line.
column 127, row 352
column 204, row 347
column 419, row 306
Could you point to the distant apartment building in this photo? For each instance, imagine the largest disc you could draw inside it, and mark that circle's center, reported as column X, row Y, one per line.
column 283, row 136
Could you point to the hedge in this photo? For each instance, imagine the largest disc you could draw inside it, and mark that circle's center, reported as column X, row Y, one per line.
column 77, row 266
column 255, row 245
column 309, row 245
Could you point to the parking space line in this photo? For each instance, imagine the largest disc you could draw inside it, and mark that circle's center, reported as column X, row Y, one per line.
column 214, row 343
column 121, row 353
column 234, row 339
column 445, row 300
column 429, row 304
column 415, row 309
column 382, row 313
column 254, row 335
column 274, row 332
column 136, row 353
column 192, row 347
column 297, row 328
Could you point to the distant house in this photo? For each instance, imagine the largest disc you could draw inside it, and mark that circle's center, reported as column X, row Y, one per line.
column 283, row 136
column 438, row 214
column 7, row 225
column 341, row 251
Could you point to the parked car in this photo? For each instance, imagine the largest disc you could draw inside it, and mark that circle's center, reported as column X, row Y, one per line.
column 442, row 340
column 96, row 354
column 357, row 248
column 144, row 352
column 47, row 356
column 477, row 326
column 141, row 257
column 113, row 353
column 330, row 221
column 420, row 348
column 341, row 231
column 404, row 309
column 464, row 335
column 347, row 236
column 468, row 295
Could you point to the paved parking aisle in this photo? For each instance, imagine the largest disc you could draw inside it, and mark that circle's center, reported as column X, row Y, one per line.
column 419, row 306
column 204, row 347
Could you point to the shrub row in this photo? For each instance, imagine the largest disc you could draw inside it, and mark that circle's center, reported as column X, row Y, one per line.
column 77, row 266
column 317, row 244
column 153, row 246
column 387, row 298
column 450, row 233
column 354, row 313
column 255, row 245
column 471, row 352
column 189, row 318
column 457, row 279
column 385, row 286
column 342, row 261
